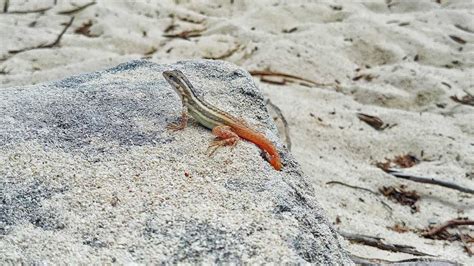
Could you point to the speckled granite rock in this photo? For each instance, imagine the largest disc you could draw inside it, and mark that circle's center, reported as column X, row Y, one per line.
column 88, row 173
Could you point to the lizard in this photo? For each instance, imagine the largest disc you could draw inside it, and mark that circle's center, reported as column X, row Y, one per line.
column 227, row 128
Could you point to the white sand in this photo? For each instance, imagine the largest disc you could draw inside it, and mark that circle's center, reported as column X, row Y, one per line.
column 404, row 45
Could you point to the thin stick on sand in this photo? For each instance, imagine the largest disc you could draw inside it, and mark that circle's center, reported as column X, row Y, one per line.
column 379, row 243
column 430, row 180
column 285, row 123
column 264, row 73
column 77, row 9
column 5, row 7
column 50, row 45
column 450, row 223
column 423, row 261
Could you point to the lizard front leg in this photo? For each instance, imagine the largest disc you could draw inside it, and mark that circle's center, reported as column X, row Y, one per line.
column 225, row 137
column 183, row 121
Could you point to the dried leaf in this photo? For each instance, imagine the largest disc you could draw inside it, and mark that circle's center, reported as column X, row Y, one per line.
column 402, row 196
column 85, row 29
column 406, row 161
column 373, row 121
column 385, row 166
column 457, row 39
column 400, row 161
column 290, row 30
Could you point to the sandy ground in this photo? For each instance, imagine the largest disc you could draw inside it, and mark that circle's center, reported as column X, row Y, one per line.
column 398, row 60
column 90, row 175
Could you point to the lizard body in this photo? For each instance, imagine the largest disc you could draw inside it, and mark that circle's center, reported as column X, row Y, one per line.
column 225, row 126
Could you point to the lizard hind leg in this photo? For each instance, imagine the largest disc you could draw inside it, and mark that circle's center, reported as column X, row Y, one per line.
column 225, row 137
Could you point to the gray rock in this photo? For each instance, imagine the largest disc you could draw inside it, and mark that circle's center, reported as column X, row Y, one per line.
column 89, row 174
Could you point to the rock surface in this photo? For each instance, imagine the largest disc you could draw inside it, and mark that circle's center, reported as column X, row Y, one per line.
column 89, row 174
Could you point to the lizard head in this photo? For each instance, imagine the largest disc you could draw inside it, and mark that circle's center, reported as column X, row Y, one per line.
column 172, row 76
column 178, row 82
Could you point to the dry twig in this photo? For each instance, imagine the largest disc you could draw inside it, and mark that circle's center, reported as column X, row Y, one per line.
column 463, row 28
column 351, row 186
column 40, row 10
column 418, row 261
column 451, row 223
column 441, row 232
column 361, row 188
column 285, row 123
column 4, row 71
column 273, row 80
column 191, row 20
column 50, row 45
column 465, row 240
column 58, row 39
column 285, row 77
column 224, row 55
column 379, row 243
column 430, row 180
column 366, row 77
column 186, row 34
column 371, row 120
column 77, row 9
column 6, row 4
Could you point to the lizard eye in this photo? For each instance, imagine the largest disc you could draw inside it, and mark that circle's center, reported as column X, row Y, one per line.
column 173, row 78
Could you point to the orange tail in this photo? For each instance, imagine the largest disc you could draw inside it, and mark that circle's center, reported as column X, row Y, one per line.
column 262, row 142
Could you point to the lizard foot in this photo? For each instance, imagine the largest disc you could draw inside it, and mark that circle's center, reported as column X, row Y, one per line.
column 175, row 126
column 181, row 125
